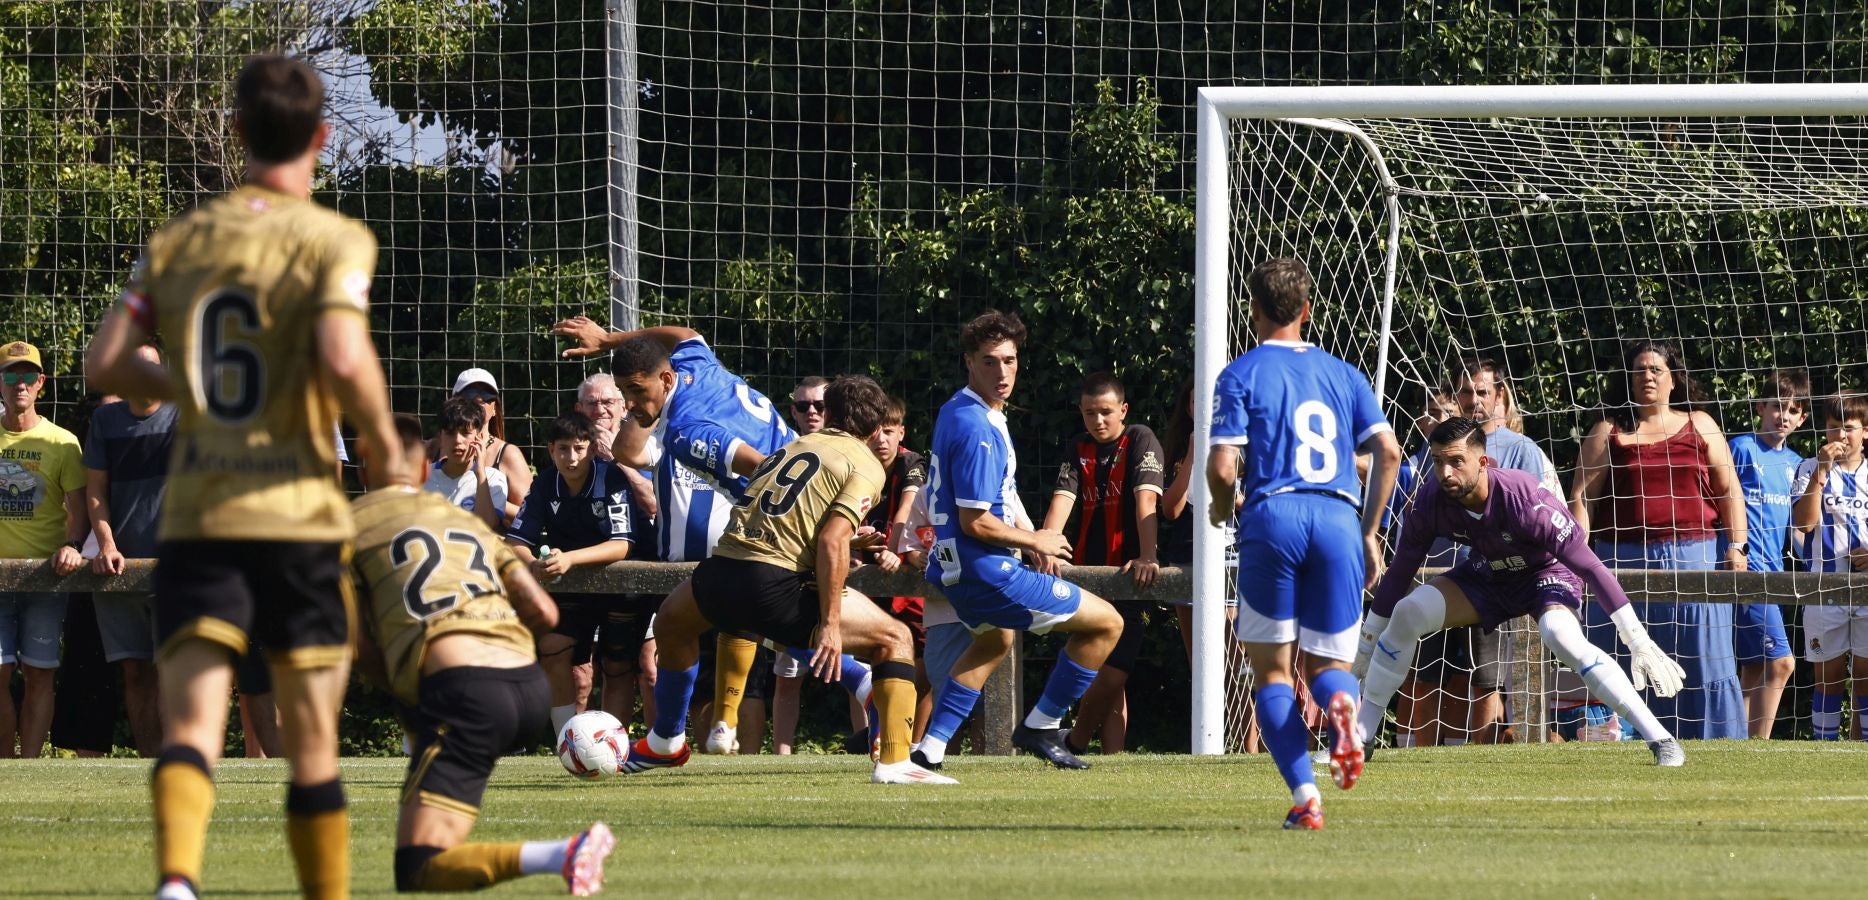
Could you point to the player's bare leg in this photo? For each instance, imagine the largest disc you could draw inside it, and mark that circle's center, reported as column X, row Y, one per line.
column 869, row 632
column 317, row 821
column 554, row 656
column 678, row 627
column 1102, row 705
column 1283, row 729
column 193, row 679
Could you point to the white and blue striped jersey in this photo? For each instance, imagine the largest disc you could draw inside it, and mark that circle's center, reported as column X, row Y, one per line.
column 970, row 466
column 1844, row 526
column 709, row 413
column 1300, row 413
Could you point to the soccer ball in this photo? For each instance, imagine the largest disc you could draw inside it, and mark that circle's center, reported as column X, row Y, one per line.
column 593, row 745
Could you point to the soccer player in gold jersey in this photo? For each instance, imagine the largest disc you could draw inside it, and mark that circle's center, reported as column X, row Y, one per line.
column 261, row 297
column 449, row 617
column 778, row 572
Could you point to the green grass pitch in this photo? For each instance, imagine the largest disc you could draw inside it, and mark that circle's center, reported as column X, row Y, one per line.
column 1741, row 820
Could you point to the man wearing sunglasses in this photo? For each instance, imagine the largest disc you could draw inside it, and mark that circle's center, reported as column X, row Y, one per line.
column 42, row 515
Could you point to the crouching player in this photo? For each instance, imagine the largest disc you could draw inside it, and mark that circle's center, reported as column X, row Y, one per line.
column 1526, row 557
column 451, row 614
column 778, row 572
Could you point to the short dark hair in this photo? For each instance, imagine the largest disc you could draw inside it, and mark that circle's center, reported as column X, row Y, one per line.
column 280, row 101
column 1473, row 365
column 1791, row 384
column 1456, row 429
column 572, row 426
column 991, row 327
column 409, row 429
column 640, row 355
column 1279, row 288
column 895, row 413
column 1846, row 407
column 856, row 405
column 1685, row 394
column 1097, row 384
column 462, row 414
column 810, row 381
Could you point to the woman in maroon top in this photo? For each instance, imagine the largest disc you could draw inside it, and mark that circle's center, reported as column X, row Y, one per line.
column 1660, row 474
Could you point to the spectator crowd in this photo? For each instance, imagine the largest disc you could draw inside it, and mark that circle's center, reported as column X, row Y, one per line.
column 1658, row 484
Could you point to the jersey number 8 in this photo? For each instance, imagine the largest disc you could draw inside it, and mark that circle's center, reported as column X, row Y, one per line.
column 1315, row 425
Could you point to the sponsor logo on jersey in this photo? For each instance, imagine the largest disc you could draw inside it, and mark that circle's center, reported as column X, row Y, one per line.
column 1149, row 463
column 554, row 507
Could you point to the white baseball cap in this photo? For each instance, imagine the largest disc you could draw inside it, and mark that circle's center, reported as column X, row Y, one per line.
column 475, row 375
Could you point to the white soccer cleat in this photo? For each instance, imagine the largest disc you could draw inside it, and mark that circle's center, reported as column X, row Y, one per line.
column 723, row 740
column 175, row 889
column 1668, row 753
column 583, row 864
column 906, row 772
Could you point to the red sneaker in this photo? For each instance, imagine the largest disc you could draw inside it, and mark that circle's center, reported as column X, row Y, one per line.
column 1345, row 751
column 642, row 759
column 1308, row 817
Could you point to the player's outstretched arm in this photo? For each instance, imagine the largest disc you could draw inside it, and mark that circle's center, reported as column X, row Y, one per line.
column 112, row 365
column 355, row 375
column 591, row 339
column 833, row 569
column 529, row 599
column 982, row 525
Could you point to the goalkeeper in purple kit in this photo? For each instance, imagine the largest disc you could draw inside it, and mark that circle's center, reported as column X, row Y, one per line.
column 1527, row 556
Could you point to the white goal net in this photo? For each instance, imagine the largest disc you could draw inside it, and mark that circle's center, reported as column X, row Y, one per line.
column 1547, row 240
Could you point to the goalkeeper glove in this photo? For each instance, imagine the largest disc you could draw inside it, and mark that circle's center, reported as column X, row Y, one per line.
column 1649, row 666
column 1372, row 628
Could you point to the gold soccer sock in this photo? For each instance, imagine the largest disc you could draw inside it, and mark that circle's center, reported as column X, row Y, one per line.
column 317, row 826
column 732, row 664
column 468, row 867
column 894, row 694
column 182, row 792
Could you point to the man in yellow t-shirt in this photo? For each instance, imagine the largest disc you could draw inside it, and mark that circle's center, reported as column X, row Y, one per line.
column 42, row 516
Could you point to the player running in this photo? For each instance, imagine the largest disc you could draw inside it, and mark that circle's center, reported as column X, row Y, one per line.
column 1526, row 557
column 979, row 529
column 449, row 618
column 263, row 299
column 1301, row 415
column 779, row 571
column 705, row 431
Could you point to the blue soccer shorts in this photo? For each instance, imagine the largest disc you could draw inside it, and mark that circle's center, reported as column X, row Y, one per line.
column 1300, row 574
column 1008, row 594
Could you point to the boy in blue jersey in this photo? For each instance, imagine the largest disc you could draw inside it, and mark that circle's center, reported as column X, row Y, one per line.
column 1301, row 416
column 980, row 528
column 580, row 510
column 1831, row 517
column 1766, row 466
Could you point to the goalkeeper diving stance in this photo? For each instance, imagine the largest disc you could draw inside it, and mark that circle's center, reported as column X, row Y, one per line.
column 1526, row 559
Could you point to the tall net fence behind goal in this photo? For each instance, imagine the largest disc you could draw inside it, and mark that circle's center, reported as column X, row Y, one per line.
column 1549, row 245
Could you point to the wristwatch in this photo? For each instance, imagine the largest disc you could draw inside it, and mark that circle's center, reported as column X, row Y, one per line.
column 75, row 545
column 1743, row 547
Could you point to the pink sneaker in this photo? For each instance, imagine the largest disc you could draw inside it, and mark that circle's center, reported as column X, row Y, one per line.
column 583, row 861
column 1346, row 751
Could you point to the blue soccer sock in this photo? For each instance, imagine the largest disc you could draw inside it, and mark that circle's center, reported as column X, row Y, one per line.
column 1062, row 690
column 674, row 689
column 1826, row 716
column 956, row 703
column 1326, row 686
column 1282, row 724
column 854, row 672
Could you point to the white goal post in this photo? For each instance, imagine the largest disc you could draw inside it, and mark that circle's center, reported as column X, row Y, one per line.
column 1219, row 302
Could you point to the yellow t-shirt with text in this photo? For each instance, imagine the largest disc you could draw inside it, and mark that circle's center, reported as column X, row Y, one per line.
column 38, row 467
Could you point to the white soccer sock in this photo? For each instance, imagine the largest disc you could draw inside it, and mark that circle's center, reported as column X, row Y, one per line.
column 1422, row 611
column 665, row 746
column 933, row 748
column 1603, row 676
column 559, row 716
column 543, row 857
column 1304, row 793
column 1039, row 720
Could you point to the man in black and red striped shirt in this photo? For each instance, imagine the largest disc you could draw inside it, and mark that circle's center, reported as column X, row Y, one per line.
column 1117, row 471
